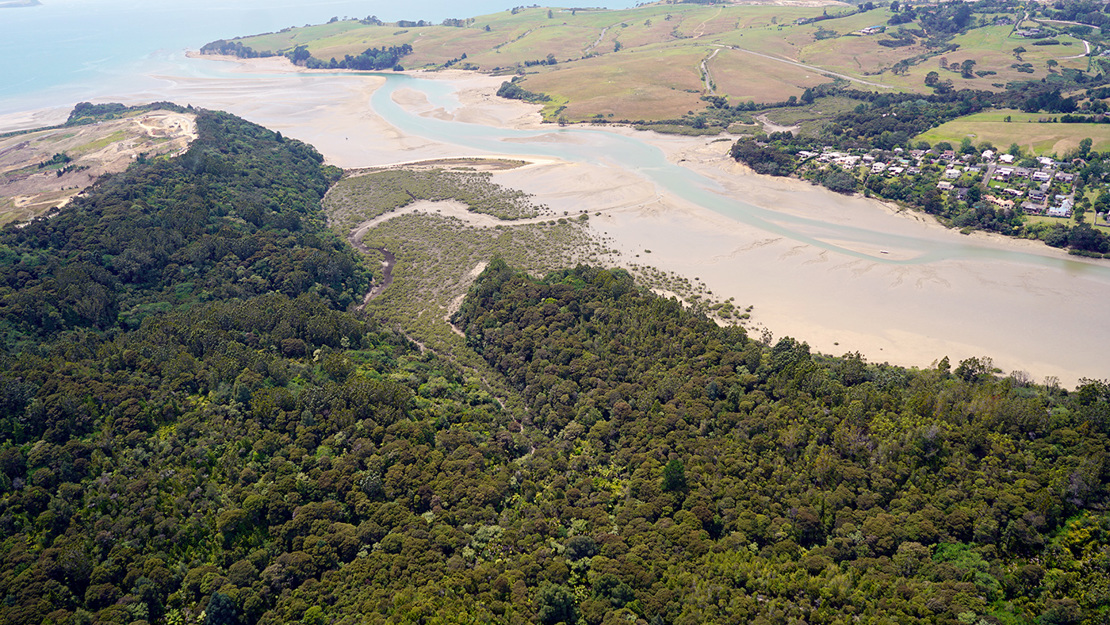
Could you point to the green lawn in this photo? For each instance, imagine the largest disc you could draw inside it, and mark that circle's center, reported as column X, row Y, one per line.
column 1024, row 129
column 1070, row 221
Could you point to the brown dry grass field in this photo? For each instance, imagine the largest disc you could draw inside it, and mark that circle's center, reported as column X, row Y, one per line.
column 740, row 75
column 656, row 74
column 632, row 85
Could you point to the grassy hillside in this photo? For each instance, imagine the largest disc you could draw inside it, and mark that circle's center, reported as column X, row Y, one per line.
column 654, row 62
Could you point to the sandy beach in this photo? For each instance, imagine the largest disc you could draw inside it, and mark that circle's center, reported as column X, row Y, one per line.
column 842, row 273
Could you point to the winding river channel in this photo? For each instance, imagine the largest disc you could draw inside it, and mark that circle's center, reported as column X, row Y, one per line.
column 629, row 153
column 829, row 280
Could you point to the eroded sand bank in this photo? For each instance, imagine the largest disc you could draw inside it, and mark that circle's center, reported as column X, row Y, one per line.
column 933, row 293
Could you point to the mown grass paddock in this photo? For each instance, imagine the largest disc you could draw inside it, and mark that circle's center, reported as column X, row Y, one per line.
column 1032, row 131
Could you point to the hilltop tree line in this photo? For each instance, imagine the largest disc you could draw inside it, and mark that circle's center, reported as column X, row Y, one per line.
column 512, row 90
column 234, row 48
column 368, row 60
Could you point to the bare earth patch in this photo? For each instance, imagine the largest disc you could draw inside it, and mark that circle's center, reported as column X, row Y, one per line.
column 35, row 177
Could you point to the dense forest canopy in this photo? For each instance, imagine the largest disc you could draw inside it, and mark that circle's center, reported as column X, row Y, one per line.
column 194, row 428
column 237, row 215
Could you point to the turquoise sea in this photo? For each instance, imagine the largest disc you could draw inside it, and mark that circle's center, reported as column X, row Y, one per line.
column 66, row 51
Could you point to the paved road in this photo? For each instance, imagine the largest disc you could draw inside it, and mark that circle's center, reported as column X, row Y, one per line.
column 1086, row 45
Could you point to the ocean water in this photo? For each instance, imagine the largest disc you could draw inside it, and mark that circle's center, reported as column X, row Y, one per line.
column 66, row 51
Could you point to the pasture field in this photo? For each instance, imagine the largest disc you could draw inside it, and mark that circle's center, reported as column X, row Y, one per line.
column 1032, row 131
column 858, row 55
column 992, row 49
column 637, row 84
column 646, row 62
column 293, row 37
column 739, row 74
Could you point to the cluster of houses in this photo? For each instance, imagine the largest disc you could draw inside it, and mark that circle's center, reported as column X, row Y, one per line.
column 1034, row 184
column 1043, row 189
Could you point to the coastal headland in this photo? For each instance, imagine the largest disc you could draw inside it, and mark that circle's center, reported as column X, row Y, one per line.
column 43, row 170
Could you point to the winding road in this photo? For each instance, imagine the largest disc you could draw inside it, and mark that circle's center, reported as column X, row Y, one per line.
column 1086, row 45
column 598, row 42
column 705, row 71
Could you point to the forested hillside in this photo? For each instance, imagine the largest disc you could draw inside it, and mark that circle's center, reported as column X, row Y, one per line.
column 726, row 482
column 194, row 429
column 236, row 216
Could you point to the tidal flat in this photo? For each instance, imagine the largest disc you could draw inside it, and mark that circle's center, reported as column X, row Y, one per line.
column 843, row 273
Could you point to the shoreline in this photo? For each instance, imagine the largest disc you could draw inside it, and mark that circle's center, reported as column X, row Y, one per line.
column 895, row 308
